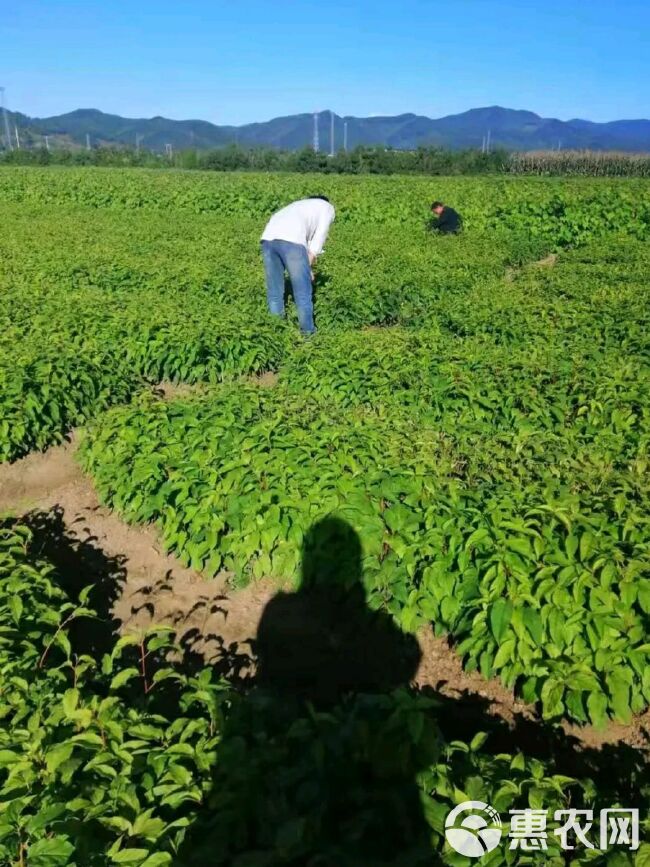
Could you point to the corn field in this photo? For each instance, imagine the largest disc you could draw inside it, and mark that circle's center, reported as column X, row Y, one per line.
column 579, row 162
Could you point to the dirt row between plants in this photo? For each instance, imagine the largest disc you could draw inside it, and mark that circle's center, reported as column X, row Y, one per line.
column 143, row 586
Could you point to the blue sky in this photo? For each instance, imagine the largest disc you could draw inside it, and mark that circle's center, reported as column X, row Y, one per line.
column 246, row 60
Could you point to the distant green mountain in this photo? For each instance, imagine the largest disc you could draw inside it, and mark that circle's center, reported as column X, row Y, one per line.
column 507, row 128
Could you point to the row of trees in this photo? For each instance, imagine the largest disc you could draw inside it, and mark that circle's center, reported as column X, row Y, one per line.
column 361, row 160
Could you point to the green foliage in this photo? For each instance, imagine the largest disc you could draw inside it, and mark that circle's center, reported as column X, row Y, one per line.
column 482, row 421
column 490, row 445
column 566, row 223
column 444, row 484
column 362, row 160
column 131, row 760
column 91, row 769
column 492, row 458
column 105, row 297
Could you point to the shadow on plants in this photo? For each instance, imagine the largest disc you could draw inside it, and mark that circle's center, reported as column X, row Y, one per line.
column 230, row 661
column 318, row 761
column 322, row 641
column 78, row 563
column 328, row 759
column 619, row 771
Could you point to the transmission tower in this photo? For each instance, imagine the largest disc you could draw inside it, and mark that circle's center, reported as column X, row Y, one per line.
column 331, row 133
column 345, row 136
column 9, row 145
column 316, row 142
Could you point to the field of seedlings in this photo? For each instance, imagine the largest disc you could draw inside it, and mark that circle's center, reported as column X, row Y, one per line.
column 469, row 430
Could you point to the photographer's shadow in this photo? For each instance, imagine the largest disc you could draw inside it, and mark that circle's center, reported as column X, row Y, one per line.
column 323, row 642
column 318, row 761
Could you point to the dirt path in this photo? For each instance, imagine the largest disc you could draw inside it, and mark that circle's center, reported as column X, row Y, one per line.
column 511, row 273
column 144, row 586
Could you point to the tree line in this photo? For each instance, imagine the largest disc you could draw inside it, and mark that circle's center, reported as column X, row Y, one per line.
column 360, row 161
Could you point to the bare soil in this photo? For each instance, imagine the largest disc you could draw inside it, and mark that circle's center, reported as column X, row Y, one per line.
column 266, row 380
column 547, row 262
column 178, row 390
column 143, row 586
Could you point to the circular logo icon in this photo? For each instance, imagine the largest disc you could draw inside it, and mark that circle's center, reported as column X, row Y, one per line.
column 473, row 828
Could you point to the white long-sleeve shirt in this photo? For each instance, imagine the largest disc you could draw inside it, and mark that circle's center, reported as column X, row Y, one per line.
column 305, row 222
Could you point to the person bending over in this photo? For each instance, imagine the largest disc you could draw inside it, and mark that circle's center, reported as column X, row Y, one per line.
column 291, row 241
column 445, row 220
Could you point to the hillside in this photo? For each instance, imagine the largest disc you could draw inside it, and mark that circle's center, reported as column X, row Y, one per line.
column 508, row 128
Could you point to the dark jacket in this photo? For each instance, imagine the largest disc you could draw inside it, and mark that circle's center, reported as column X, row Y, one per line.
column 449, row 222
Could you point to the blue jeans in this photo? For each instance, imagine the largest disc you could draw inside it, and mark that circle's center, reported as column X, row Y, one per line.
column 281, row 255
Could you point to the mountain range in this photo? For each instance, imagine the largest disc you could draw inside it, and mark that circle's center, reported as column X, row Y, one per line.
column 507, row 128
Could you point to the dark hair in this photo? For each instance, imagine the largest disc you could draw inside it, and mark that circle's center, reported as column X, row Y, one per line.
column 437, row 205
column 324, row 198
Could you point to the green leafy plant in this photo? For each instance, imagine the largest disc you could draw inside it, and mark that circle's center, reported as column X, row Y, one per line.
column 133, row 760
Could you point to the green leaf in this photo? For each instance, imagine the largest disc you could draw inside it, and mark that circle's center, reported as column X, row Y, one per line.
column 642, row 856
column 57, row 755
column 597, row 708
column 50, row 852
column 587, row 545
column 477, row 741
column 123, row 677
column 552, row 693
column 518, row 763
column 16, row 606
column 533, row 622
column 70, row 702
column 574, row 705
column 158, row 859
column 475, row 538
column 129, row 856
column 504, row 654
column 643, row 595
column 148, row 826
column 8, row 757
column 500, row 616
column 620, row 702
